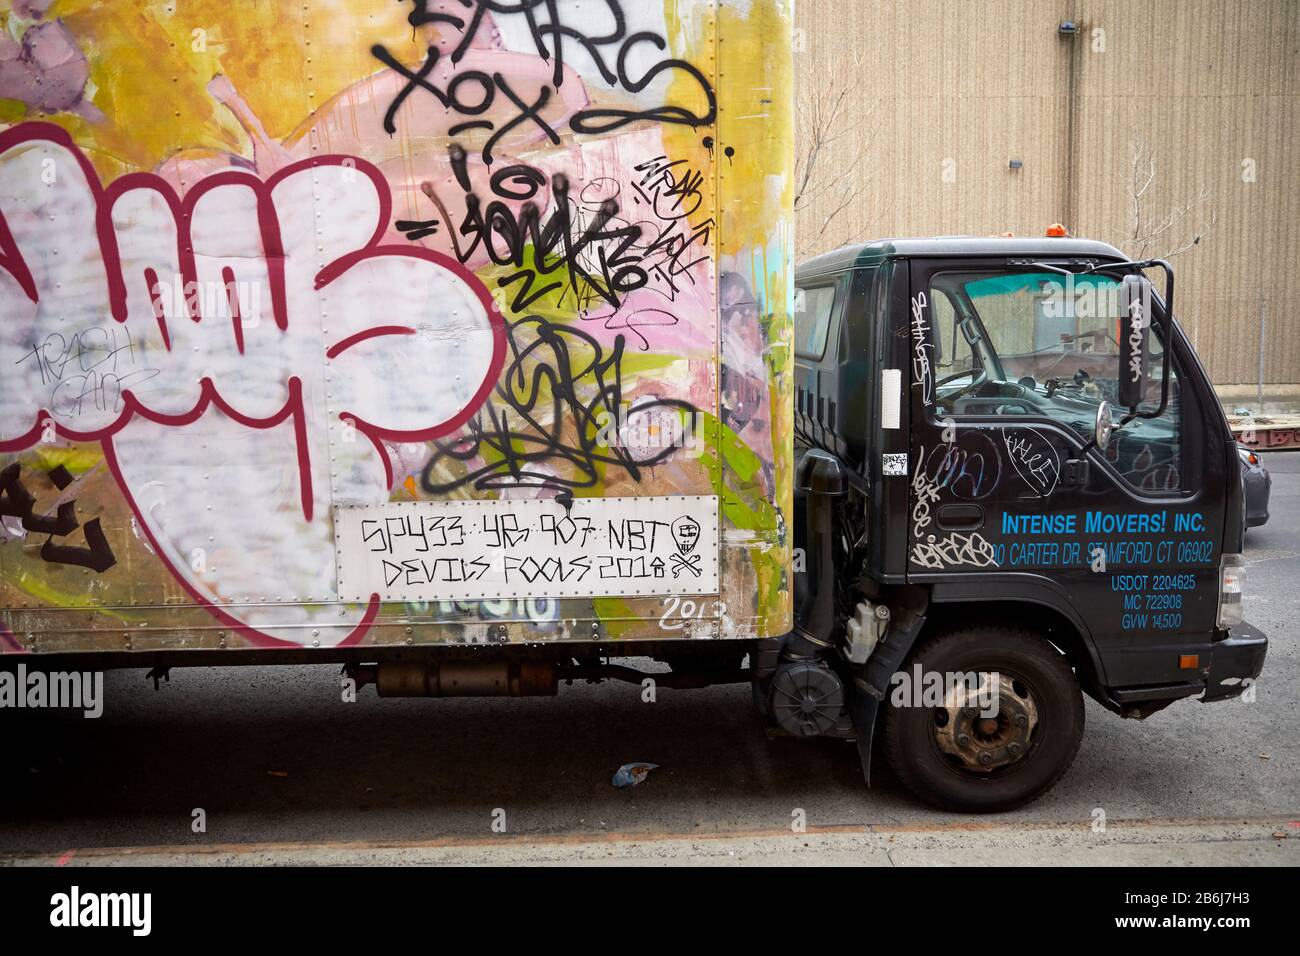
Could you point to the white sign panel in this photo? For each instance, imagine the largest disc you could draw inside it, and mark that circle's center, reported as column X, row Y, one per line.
column 471, row 550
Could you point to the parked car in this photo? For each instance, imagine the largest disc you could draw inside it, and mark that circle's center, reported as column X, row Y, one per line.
column 1256, row 482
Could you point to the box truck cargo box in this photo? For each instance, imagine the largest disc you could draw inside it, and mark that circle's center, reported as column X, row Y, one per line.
column 357, row 324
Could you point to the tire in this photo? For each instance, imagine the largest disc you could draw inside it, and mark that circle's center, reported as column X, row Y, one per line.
column 915, row 737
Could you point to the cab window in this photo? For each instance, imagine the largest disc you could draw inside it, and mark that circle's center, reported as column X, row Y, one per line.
column 813, row 308
column 1046, row 345
column 952, row 353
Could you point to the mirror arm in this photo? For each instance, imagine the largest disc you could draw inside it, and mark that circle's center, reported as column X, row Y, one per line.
column 1167, row 327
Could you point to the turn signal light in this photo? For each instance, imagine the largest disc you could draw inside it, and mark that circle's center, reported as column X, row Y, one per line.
column 1189, row 662
column 1232, row 579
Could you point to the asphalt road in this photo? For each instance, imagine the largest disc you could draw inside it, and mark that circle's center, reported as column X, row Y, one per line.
column 271, row 755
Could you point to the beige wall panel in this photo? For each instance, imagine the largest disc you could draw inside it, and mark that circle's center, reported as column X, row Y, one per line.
column 1210, row 91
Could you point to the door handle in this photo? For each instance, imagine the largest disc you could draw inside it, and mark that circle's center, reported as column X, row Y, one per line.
column 1076, row 472
column 960, row 517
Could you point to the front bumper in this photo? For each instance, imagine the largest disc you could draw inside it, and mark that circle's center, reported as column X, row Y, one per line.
column 1234, row 661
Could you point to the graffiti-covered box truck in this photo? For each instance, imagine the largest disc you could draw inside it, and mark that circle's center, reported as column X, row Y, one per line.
column 459, row 343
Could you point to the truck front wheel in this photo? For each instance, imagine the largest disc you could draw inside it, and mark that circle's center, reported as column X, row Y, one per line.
column 996, row 721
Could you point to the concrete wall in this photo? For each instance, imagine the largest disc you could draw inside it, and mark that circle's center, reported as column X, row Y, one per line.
column 946, row 94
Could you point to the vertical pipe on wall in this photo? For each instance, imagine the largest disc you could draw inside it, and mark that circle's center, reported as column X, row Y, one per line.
column 1071, row 105
column 1263, row 336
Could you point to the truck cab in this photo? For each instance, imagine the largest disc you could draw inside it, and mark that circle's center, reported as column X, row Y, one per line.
column 1015, row 485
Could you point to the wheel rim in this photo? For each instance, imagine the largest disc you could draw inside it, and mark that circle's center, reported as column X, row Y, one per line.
column 981, row 741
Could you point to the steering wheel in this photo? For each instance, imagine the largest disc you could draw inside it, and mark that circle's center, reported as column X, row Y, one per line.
column 978, row 379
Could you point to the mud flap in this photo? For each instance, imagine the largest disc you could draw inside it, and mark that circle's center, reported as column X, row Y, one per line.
column 870, row 687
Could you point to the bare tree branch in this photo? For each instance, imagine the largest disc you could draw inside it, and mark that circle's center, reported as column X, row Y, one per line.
column 826, row 113
column 1178, row 230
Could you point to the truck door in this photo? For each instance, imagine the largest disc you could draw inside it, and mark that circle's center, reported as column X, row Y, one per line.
column 1008, row 499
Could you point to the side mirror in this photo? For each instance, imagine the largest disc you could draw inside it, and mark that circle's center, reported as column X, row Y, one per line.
column 1104, row 426
column 1135, row 329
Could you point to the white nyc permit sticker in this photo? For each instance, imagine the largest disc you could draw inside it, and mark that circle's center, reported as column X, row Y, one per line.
column 894, row 464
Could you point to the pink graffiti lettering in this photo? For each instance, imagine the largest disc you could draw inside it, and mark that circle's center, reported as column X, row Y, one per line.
column 395, row 343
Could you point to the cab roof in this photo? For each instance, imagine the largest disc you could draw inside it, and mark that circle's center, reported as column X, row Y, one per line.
column 868, row 254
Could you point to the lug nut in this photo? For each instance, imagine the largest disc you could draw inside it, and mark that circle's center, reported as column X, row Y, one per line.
column 1013, row 749
column 1021, row 720
column 963, row 740
column 986, row 758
